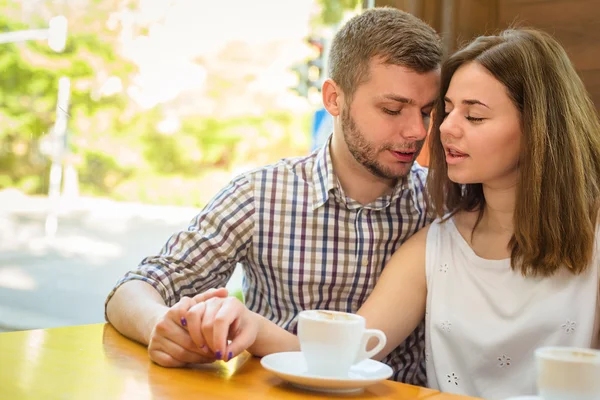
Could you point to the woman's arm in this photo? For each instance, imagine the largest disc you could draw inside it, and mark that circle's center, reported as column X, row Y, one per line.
column 397, row 304
column 272, row 338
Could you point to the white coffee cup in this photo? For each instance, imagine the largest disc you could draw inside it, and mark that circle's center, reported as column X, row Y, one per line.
column 333, row 341
column 568, row 373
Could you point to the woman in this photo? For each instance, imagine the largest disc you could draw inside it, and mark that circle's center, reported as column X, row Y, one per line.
column 512, row 262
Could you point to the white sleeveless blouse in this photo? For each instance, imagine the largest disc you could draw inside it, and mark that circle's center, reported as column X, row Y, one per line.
column 484, row 321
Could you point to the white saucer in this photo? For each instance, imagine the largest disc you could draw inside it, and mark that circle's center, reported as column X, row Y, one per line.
column 291, row 367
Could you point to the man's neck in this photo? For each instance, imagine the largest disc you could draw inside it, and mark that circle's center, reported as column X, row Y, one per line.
column 357, row 182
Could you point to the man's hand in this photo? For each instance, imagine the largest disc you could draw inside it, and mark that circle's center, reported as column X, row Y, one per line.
column 170, row 343
column 210, row 293
column 213, row 322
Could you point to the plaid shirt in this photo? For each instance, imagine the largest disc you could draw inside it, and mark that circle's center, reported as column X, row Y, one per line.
column 302, row 242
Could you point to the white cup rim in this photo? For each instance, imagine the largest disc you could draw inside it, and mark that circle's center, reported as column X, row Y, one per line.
column 306, row 314
column 554, row 353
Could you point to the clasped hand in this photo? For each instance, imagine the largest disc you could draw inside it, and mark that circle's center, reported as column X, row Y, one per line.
column 210, row 326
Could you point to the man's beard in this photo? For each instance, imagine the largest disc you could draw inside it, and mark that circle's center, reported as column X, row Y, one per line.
column 364, row 152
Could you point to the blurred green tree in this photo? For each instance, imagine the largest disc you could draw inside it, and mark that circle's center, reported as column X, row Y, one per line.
column 332, row 11
column 116, row 145
column 29, row 86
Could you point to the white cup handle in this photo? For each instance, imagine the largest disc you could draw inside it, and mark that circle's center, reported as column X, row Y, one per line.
column 363, row 354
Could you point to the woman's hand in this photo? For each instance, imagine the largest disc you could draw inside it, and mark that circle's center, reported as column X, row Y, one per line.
column 216, row 321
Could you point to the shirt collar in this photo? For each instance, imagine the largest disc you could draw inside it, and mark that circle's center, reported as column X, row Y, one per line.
column 325, row 181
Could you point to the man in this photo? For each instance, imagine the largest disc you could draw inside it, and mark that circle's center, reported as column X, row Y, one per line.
column 312, row 232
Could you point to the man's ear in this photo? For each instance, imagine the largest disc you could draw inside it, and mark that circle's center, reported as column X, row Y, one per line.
column 333, row 97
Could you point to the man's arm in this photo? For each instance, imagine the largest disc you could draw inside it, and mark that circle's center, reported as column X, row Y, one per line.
column 191, row 262
column 135, row 309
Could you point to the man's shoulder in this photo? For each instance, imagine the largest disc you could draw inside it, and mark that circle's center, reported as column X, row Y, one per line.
column 290, row 167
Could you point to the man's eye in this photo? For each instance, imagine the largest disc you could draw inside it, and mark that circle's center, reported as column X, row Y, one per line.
column 391, row 112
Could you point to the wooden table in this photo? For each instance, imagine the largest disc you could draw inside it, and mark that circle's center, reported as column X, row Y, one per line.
column 96, row 362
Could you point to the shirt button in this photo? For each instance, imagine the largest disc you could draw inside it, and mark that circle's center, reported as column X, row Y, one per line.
column 365, row 262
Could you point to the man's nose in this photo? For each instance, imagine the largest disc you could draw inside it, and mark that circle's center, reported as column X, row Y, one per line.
column 416, row 128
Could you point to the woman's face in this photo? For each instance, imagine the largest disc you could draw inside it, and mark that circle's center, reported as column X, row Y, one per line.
column 481, row 132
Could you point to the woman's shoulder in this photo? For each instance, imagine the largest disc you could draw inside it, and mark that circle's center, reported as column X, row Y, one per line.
column 464, row 221
column 420, row 237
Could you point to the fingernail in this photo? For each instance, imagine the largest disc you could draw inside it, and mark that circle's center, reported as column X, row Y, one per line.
column 183, row 321
column 219, row 355
column 229, row 356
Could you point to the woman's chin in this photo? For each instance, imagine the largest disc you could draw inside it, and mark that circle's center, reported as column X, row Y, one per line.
column 460, row 179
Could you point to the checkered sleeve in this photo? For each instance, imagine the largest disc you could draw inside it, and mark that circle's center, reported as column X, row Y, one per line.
column 204, row 256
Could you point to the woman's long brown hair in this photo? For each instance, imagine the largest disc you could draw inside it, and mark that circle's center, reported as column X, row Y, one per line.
column 558, row 191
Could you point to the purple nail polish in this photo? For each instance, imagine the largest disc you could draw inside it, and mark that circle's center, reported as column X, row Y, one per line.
column 219, row 355
column 183, row 321
column 229, row 356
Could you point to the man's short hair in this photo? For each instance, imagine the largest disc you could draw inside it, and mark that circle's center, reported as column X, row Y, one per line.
column 394, row 36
